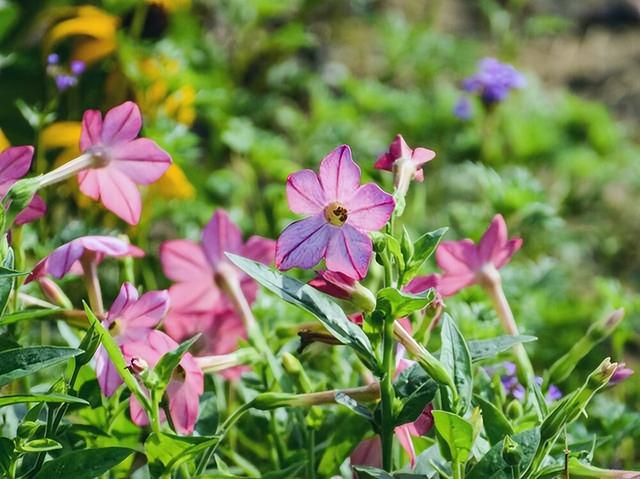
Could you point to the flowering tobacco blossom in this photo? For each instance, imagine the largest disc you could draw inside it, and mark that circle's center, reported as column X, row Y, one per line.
column 63, row 77
column 15, row 162
column 621, row 373
column 114, row 160
column 130, row 318
column 405, row 163
column 184, row 389
column 344, row 287
column 341, row 213
column 198, row 303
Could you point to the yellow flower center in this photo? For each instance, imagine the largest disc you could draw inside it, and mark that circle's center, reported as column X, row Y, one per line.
column 336, row 214
column 115, row 329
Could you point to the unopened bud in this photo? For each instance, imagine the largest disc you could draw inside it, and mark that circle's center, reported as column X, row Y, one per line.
column 514, row 409
column 54, row 293
column 292, row 366
column 18, row 197
column 622, row 373
column 137, row 365
column 511, row 452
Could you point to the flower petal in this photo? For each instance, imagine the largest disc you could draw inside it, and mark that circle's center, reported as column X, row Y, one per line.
column 222, row 337
column 368, row 453
column 493, row 240
column 15, row 162
column 304, row 193
column 260, row 249
column 420, row 284
column 503, row 256
column 422, row 155
column 91, row 129
column 339, row 175
column 148, row 311
column 119, row 195
column 142, row 160
column 369, row 208
column 198, row 296
column 184, row 260
column 349, row 252
column 403, row 434
column 89, row 183
column 450, row 284
column 457, row 256
column 184, row 325
column 121, row 124
column 303, row 243
column 127, row 295
column 60, row 261
column 108, row 377
column 184, row 396
column 34, row 210
column 220, row 236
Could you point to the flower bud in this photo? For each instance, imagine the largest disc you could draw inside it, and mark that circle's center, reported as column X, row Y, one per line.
column 292, row 366
column 54, row 293
column 138, row 365
column 514, row 409
column 18, row 198
column 511, row 452
column 621, row 373
column 346, row 288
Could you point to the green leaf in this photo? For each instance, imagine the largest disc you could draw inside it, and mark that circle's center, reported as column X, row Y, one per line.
column 170, row 360
column 423, row 248
column 113, row 350
column 314, row 302
column 393, row 246
column 493, row 466
column 84, row 464
column 396, row 304
column 496, row 424
column 39, row 445
column 415, row 388
column 455, row 434
column 6, row 454
column 347, row 430
column 29, row 314
column 489, row 348
column 28, row 398
column 368, row 472
column 162, row 451
column 6, row 280
column 20, row 362
column 89, row 344
column 456, row 359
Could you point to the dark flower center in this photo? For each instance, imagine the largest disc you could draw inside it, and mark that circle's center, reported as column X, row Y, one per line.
column 336, row 214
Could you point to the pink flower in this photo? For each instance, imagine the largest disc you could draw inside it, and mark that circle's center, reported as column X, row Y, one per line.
column 621, row 373
column 341, row 213
column 67, row 257
column 15, row 162
column 463, row 263
column 398, row 151
column 334, row 284
column 120, row 160
column 197, row 302
column 184, row 389
column 131, row 318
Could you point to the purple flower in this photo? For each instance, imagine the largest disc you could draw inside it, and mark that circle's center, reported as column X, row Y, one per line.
column 621, row 373
column 341, row 213
column 64, row 82
column 463, row 109
column 53, row 59
column 77, row 67
column 513, row 387
column 493, row 81
column 15, row 162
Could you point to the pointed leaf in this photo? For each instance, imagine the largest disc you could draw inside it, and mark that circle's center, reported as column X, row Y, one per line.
column 50, row 398
column 84, row 464
column 489, row 348
column 493, row 466
column 455, row 434
column 456, row 358
column 20, row 362
column 496, row 424
column 396, row 304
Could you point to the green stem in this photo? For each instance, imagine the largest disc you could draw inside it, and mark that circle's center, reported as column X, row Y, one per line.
column 155, row 412
column 387, row 394
column 458, row 471
column 311, row 445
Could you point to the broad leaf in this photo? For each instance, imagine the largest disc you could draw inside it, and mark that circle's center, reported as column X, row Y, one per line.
column 456, row 358
column 423, row 248
column 6, row 280
column 489, row 348
column 40, row 445
column 50, row 398
column 312, row 301
column 6, row 454
column 455, row 435
column 415, row 388
column 496, row 424
column 20, row 362
column 368, row 472
column 347, row 431
column 163, row 450
column 493, row 466
column 84, row 464
column 170, row 360
column 396, row 304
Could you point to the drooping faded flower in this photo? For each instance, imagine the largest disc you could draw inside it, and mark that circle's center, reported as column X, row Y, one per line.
column 68, row 257
column 341, row 213
column 184, row 389
column 130, row 318
column 464, row 263
column 114, row 161
column 197, row 303
column 14, row 164
column 493, row 81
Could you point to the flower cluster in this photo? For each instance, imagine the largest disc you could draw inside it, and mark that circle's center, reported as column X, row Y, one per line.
column 64, row 77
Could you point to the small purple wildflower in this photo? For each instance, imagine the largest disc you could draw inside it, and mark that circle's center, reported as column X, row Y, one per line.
column 513, row 387
column 493, row 81
column 64, row 81
column 65, row 77
column 77, row 67
column 622, row 373
column 53, row 59
column 463, row 108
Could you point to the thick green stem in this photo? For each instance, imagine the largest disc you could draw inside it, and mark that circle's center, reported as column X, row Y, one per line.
column 387, row 394
column 155, row 411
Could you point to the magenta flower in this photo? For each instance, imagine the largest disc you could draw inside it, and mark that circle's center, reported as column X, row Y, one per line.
column 184, row 389
column 67, row 257
column 621, row 373
column 131, row 318
column 334, row 284
column 197, row 303
column 341, row 213
column 15, row 162
column 420, row 284
column 120, row 160
column 463, row 263
column 398, row 151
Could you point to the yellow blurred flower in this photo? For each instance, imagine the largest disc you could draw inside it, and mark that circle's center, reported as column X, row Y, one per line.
column 4, row 142
column 93, row 30
column 173, row 184
column 171, row 5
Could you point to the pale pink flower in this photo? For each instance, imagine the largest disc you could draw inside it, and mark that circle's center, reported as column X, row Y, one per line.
column 184, row 389
column 398, row 151
column 464, row 263
column 120, row 160
column 197, row 304
column 15, row 162
column 67, row 257
column 130, row 318
column 341, row 213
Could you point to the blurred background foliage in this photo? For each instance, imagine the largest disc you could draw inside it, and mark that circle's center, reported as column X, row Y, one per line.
column 242, row 93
